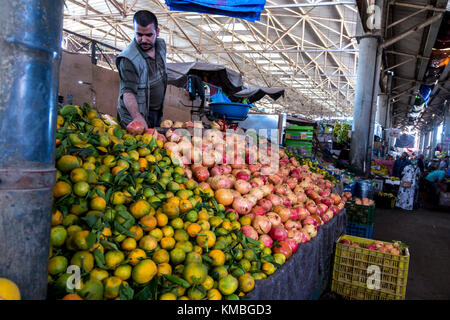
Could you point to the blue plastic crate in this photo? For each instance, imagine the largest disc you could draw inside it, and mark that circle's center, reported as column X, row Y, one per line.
column 230, row 110
column 359, row 230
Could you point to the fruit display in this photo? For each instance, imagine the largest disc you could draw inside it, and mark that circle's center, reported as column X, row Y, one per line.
column 363, row 202
column 342, row 136
column 143, row 220
column 396, row 248
column 336, row 130
column 379, row 169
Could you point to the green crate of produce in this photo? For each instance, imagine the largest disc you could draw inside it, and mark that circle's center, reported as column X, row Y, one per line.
column 298, row 143
column 303, row 136
column 354, row 271
column 359, row 214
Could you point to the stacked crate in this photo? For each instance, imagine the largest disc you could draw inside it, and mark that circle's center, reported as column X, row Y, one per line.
column 299, row 139
column 360, row 219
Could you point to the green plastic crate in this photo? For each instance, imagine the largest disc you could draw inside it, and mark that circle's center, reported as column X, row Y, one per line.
column 298, row 143
column 302, row 133
column 359, row 214
column 351, row 276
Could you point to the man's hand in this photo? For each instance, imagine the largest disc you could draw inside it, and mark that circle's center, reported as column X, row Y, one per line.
column 141, row 119
column 131, row 104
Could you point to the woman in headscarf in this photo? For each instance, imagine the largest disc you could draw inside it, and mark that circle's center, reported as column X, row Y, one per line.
column 407, row 193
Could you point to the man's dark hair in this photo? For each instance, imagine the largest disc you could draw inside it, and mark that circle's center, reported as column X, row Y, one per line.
column 144, row 18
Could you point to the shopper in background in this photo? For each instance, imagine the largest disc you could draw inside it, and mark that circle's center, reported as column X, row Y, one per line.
column 434, row 181
column 406, row 197
column 400, row 164
column 421, row 163
column 443, row 165
column 143, row 74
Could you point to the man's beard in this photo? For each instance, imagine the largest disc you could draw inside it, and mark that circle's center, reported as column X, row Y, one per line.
column 149, row 46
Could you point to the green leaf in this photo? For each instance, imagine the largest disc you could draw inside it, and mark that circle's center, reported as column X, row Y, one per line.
column 109, row 244
column 126, row 292
column 118, row 132
column 257, row 243
column 99, row 259
column 91, row 239
column 90, row 220
column 122, row 229
column 144, row 294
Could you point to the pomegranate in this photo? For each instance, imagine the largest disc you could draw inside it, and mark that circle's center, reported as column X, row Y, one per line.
column 274, row 218
column 242, row 206
column 293, row 244
column 278, row 233
column 265, row 204
column 311, row 207
column 201, row 174
column 284, row 248
column 302, row 213
column 242, row 175
column 250, row 232
column 216, row 171
column 311, row 230
column 294, row 214
column 262, row 224
column 258, row 210
column 276, row 200
column 283, row 212
column 135, row 127
column 242, row 186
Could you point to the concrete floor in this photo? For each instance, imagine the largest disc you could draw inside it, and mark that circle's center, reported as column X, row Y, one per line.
column 427, row 232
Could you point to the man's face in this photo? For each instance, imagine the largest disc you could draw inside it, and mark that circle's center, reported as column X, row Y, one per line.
column 146, row 36
column 404, row 155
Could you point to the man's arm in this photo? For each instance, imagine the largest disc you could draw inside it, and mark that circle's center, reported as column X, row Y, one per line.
column 130, row 102
column 130, row 78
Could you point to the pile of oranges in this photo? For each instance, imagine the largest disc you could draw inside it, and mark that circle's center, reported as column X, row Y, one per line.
column 136, row 227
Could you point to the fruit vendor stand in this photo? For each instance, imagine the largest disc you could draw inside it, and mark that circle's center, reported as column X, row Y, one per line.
column 307, row 274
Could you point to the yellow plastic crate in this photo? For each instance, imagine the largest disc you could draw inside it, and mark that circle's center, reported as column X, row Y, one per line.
column 350, row 271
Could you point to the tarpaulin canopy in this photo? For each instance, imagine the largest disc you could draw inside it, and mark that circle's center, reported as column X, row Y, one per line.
column 257, row 93
column 405, row 141
column 228, row 80
column 244, row 9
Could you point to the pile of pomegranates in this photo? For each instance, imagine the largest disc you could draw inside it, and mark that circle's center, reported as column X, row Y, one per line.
column 396, row 248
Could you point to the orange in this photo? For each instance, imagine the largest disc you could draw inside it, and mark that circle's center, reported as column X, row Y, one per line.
column 214, row 294
column 171, row 209
column 115, row 171
column 143, row 163
column 193, row 257
column 83, row 259
column 148, row 243
column 136, row 255
column 67, row 163
column 98, row 274
column 246, row 282
column 227, row 225
column 81, row 188
column 161, row 256
column 112, row 286
column 109, row 161
column 186, row 246
column 162, row 219
column 140, row 208
column 78, row 175
column 58, row 236
column 57, row 265
column 98, row 203
column 72, row 296
column 185, row 205
column 224, row 196
column 157, row 234
column 167, row 231
column 128, row 244
column 57, row 218
column 206, row 241
column 203, row 215
column 117, row 198
column 195, row 273
column 113, row 258
column 144, row 271
column 193, row 229
column 123, row 271
column 177, row 223
column 208, row 284
column 204, row 224
column 164, row 268
column 196, row 293
column 177, row 256
column 245, row 220
column 218, row 257
column 228, row 285
column 137, row 232
column 268, row 268
column 181, row 235
column 134, row 155
column 61, row 188
column 167, row 243
column 168, row 296
column 149, row 222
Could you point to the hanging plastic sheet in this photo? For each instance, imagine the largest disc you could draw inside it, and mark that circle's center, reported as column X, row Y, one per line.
column 244, row 9
column 405, row 141
column 425, row 92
